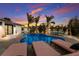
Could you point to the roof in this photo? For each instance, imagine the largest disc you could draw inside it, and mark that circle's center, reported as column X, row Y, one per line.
column 9, row 22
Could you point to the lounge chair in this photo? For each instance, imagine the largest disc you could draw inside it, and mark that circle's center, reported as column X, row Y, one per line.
column 43, row 49
column 64, row 45
column 19, row 49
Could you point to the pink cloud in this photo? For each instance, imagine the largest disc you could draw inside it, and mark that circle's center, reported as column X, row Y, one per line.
column 17, row 9
column 19, row 20
column 37, row 5
column 36, row 10
column 42, row 19
column 62, row 10
column 66, row 9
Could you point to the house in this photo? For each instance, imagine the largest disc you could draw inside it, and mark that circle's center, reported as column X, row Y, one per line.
column 7, row 27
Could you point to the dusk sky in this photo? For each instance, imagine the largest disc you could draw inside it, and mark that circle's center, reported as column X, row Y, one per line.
column 61, row 12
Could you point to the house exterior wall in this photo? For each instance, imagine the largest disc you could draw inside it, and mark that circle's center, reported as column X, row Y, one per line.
column 26, row 30
column 17, row 30
column 9, row 29
column 2, row 29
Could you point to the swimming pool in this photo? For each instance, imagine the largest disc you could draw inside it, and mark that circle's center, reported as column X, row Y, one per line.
column 29, row 38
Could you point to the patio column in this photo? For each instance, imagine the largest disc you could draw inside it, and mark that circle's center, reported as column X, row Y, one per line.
column 3, row 25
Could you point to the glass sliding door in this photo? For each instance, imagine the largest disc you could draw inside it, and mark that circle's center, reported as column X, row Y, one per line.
column 9, row 29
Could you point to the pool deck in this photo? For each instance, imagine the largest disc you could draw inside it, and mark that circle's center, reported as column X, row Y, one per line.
column 20, row 49
column 43, row 49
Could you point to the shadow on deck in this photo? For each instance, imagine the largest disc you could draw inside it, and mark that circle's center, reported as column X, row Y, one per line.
column 30, row 51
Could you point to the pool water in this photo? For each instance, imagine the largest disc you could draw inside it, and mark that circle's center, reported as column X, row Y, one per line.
column 29, row 38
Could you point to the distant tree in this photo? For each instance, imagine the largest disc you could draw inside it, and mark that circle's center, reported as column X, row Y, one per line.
column 73, row 26
column 42, row 28
column 52, row 26
column 32, row 29
column 57, row 28
column 64, row 29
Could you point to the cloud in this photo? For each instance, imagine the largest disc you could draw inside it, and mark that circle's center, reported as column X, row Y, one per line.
column 42, row 19
column 17, row 9
column 36, row 10
column 66, row 9
column 62, row 10
column 19, row 21
column 37, row 5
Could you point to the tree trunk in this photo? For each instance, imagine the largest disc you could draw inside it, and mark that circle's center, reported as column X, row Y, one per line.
column 28, row 27
column 47, row 28
column 36, row 27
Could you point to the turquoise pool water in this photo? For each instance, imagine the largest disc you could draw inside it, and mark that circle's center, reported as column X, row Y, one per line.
column 29, row 38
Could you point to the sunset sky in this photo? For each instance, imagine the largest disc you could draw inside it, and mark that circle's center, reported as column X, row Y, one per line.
column 17, row 12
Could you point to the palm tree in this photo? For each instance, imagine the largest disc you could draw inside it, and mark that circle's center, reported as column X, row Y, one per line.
column 48, row 19
column 53, row 22
column 36, row 21
column 52, row 26
column 30, row 19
